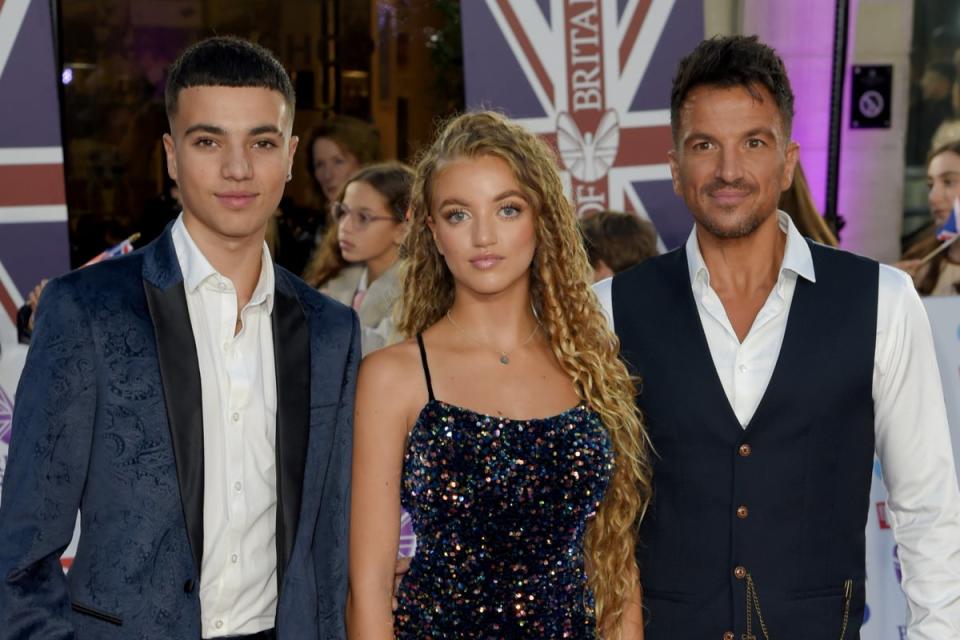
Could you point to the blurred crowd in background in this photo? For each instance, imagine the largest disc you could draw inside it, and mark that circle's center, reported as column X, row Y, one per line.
column 340, row 221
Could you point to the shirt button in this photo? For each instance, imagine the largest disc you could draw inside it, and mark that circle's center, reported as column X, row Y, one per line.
column 218, row 624
column 226, row 346
column 728, row 635
column 745, row 450
column 739, row 572
column 234, row 558
column 742, row 512
column 221, row 285
column 742, row 368
column 238, row 486
column 235, row 417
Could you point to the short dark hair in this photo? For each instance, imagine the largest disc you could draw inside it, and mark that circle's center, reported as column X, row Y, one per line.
column 620, row 239
column 732, row 61
column 227, row 61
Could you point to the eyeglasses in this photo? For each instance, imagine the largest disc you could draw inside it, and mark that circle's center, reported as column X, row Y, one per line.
column 360, row 217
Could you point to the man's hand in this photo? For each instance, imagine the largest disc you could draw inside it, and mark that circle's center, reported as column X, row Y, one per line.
column 33, row 300
column 910, row 266
column 403, row 565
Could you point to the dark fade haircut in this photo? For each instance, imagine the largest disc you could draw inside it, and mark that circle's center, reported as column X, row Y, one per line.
column 227, row 61
column 733, row 61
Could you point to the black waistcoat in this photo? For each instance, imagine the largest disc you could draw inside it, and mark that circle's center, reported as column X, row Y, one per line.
column 782, row 503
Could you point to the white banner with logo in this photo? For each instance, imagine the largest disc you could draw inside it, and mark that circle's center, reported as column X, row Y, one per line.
column 885, row 615
column 944, row 313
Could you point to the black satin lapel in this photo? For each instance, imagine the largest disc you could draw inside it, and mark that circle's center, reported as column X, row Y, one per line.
column 180, row 374
column 291, row 347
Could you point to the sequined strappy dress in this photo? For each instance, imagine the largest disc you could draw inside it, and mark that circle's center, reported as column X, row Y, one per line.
column 500, row 507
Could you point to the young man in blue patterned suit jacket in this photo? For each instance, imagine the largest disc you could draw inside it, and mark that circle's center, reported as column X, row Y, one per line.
column 194, row 402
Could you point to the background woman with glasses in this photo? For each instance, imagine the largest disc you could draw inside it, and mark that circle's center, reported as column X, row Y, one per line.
column 361, row 268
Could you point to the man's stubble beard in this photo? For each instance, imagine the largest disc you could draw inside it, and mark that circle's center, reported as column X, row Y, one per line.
column 746, row 226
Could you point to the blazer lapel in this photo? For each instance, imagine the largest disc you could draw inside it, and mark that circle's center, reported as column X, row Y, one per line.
column 180, row 375
column 291, row 345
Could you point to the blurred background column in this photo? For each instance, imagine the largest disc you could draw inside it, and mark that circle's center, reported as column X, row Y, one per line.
column 871, row 161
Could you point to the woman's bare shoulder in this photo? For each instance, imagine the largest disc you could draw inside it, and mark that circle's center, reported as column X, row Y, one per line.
column 395, row 374
column 396, row 361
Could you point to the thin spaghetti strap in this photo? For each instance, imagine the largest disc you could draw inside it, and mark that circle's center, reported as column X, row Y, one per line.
column 426, row 369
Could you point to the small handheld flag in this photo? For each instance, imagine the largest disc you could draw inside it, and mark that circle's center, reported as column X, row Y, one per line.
column 120, row 249
column 949, row 228
column 947, row 234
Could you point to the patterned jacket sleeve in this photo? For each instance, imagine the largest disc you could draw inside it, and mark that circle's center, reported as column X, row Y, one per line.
column 46, row 468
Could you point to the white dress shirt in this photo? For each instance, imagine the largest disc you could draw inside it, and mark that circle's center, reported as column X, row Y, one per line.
column 238, row 576
column 912, row 434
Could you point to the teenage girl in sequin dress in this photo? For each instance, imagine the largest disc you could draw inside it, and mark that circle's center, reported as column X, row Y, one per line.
column 505, row 425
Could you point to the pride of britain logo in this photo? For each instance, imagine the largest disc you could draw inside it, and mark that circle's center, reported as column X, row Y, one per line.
column 594, row 84
column 408, row 539
column 6, row 417
column 6, row 426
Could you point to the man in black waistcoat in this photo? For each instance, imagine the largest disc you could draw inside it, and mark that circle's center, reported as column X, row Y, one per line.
column 771, row 369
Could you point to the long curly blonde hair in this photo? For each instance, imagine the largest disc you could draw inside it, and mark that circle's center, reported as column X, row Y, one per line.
column 577, row 330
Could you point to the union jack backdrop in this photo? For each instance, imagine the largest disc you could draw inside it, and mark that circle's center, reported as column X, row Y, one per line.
column 33, row 212
column 593, row 78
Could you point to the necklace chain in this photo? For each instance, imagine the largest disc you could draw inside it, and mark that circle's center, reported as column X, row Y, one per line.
column 504, row 355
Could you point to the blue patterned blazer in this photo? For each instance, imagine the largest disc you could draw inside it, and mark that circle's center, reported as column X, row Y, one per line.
column 108, row 420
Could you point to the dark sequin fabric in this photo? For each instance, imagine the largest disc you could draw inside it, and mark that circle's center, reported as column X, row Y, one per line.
column 499, row 508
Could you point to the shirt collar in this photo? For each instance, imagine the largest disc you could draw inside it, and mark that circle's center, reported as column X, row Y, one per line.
column 266, row 285
column 196, row 269
column 796, row 255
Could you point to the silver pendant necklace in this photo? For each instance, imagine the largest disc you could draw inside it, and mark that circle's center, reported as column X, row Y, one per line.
column 504, row 355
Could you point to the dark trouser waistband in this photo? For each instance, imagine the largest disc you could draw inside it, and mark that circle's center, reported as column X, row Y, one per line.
column 269, row 634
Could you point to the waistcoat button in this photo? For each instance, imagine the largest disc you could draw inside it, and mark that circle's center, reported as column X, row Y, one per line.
column 728, row 635
column 742, row 512
column 740, row 572
column 745, row 450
